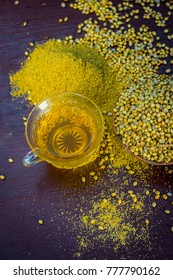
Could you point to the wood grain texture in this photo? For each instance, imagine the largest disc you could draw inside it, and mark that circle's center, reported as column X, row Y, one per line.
column 44, row 192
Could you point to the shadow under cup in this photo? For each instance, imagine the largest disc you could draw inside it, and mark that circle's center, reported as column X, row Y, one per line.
column 64, row 131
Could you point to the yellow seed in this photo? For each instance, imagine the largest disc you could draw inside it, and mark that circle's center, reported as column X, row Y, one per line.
column 135, row 184
column 168, row 70
column 26, row 53
column 25, row 23
column 147, row 222
column 113, row 194
column 106, row 158
column 83, row 179
column 147, row 192
column 41, row 222
column 170, row 171
column 154, row 204
column 165, row 196
column 11, row 160
column 2, row 177
column 119, row 201
column 60, row 20
column 92, row 173
column 100, row 227
column 130, row 191
column 157, row 196
column 103, row 167
column 172, row 229
column 157, row 192
column 167, row 212
column 128, row 167
column 131, row 171
column 135, row 199
column 31, row 44
column 66, row 19
column 95, row 177
column 93, row 221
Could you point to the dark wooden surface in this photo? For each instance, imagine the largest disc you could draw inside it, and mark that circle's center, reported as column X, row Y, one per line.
column 43, row 192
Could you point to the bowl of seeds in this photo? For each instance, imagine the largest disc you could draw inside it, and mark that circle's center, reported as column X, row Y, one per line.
column 143, row 119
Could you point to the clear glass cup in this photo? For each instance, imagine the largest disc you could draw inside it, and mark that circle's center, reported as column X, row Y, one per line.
column 65, row 131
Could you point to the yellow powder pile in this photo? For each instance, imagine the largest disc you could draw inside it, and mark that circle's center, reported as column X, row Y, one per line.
column 55, row 67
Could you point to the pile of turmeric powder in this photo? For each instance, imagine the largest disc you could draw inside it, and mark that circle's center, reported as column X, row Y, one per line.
column 55, row 67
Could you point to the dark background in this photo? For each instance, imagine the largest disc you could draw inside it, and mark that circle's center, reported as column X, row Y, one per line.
column 44, row 192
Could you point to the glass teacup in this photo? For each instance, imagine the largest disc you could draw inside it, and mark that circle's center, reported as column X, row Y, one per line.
column 65, row 131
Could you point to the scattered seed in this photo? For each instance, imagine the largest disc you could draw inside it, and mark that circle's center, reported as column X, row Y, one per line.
column 24, row 118
column 157, row 192
column 119, row 201
column 92, row 173
column 100, row 227
column 157, row 196
column 66, row 19
column 167, row 212
column 154, row 204
column 83, row 179
column 135, row 184
column 63, row 5
column 131, row 171
column 169, row 194
column 25, row 23
column 2, row 177
column 31, row 44
column 165, row 196
column 130, row 191
column 26, row 53
column 113, row 194
column 172, row 229
column 93, row 222
column 41, row 222
column 147, row 222
column 109, row 114
column 147, row 192
column 11, row 160
column 168, row 70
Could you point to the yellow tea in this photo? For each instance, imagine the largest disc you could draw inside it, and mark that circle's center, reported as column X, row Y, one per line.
column 65, row 131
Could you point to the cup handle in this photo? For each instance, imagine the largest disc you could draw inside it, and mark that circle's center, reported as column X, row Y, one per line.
column 30, row 159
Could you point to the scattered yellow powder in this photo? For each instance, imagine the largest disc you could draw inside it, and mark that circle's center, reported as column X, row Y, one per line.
column 110, row 221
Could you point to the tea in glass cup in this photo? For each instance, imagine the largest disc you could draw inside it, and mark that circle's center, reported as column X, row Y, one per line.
column 65, row 131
